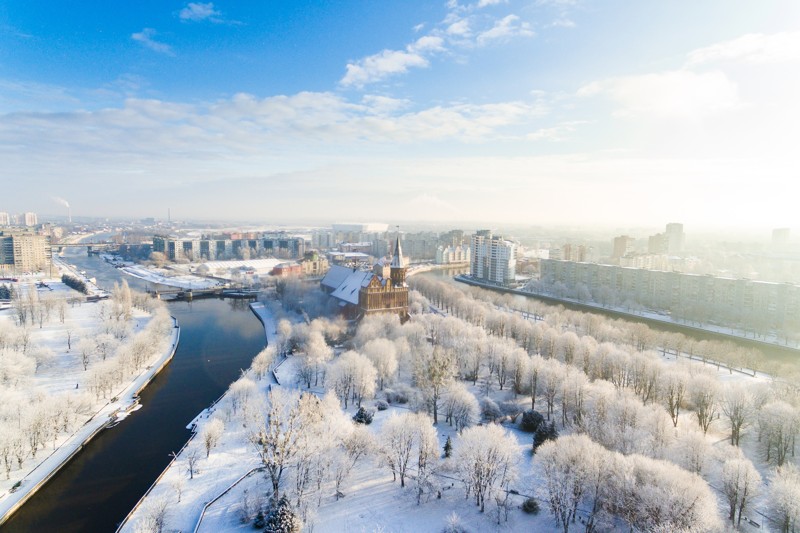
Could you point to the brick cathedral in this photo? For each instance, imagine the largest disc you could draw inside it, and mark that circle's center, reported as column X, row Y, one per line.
column 360, row 293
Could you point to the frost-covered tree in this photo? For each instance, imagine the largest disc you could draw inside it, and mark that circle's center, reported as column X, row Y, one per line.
column 779, row 424
column 358, row 444
column 404, row 437
column 673, row 392
column 704, row 395
column 460, row 406
column 486, row 459
column 352, row 376
column 383, row 355
column 741, row 483
column 278, row 435
column 211, row 434
column 574, row 470
column 262, row 362
column 784, row 497
column 434, row 370
column 736, row 403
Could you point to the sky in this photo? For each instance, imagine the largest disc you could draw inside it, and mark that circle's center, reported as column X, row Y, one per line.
column 576, row 112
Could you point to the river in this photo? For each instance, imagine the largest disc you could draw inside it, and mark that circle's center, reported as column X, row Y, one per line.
column 95, row 490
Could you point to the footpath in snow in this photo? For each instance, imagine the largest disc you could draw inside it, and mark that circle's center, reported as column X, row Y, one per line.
column 124, row 401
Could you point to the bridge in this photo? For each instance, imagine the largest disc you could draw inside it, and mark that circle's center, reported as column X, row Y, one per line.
column 93, row 248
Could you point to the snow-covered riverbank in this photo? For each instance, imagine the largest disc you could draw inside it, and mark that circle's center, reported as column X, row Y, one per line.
column 66, row 382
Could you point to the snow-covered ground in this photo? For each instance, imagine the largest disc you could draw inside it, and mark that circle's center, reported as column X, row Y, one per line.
column 213, row 499
column 233, row 269
column 63, row 374
column 170, row 278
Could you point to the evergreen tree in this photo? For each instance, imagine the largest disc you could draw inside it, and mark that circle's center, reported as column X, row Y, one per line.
column 544, row 433
column 282, row 518
column 448, row 447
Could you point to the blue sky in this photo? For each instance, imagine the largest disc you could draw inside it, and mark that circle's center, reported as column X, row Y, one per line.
column 541, row 112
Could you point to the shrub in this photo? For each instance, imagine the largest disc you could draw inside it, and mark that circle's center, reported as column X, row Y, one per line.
column 531, row 420
column 399, row 394
column 490, row 410
column 381, row 405
column 363, row 416
column 544, row 433
column 531, row 506
column 74, row 283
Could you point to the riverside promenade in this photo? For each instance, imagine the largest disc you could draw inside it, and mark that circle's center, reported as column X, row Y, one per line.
column 123, row 402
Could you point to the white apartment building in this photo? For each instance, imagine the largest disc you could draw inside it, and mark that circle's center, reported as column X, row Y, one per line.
column 493, row 258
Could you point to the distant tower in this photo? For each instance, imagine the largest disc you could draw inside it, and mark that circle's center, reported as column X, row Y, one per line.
column 675, row 238
column 398, row 270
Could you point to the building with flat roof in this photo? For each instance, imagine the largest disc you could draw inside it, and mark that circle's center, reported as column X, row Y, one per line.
column 754, row 305
column 493, row 258
column 230, row 246
column 24, row 252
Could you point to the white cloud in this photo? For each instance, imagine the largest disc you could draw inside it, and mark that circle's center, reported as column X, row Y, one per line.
column 459, row 28
column 146, row 37
column 390, row 62
column 505, row 28
column 678, row 93
column 197, row 11
column 753, row 48
column 484, row 3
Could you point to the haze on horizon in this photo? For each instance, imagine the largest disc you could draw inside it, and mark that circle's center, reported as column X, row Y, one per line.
column 571, row 112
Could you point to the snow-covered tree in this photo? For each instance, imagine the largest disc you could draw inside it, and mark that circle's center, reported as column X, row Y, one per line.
column 741, row 483
column 434, row 370
column 352, row 376
column 784, row 497
column 736, row 403
column 211, row 434
column 383, row 355
column 486, row 459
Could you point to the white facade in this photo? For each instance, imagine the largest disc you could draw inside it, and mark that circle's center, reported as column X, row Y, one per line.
column 493, row 258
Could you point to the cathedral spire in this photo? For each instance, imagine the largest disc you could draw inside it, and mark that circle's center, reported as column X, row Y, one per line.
column 397, row 256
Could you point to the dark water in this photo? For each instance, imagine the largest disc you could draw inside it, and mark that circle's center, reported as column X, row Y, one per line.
column 95, row 491
column 771, row 352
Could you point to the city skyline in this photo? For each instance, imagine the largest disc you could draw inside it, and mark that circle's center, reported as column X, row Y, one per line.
column 547, row 112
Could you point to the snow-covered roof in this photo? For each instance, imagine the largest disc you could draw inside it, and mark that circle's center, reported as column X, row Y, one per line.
column 336, row 276
column 348, row 290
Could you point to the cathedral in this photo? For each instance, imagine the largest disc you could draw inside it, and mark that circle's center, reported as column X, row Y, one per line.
column 360, row 293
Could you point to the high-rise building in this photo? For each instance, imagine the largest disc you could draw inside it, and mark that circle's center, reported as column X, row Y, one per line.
column 30, row 219
column 24, row 252
column 493, row 258
column 623, row 245
column 5, row 219
column 658, row 244
column 675, row 238
column 573, row 252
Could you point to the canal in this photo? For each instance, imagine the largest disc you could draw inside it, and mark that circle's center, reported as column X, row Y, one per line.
column 97, row 489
